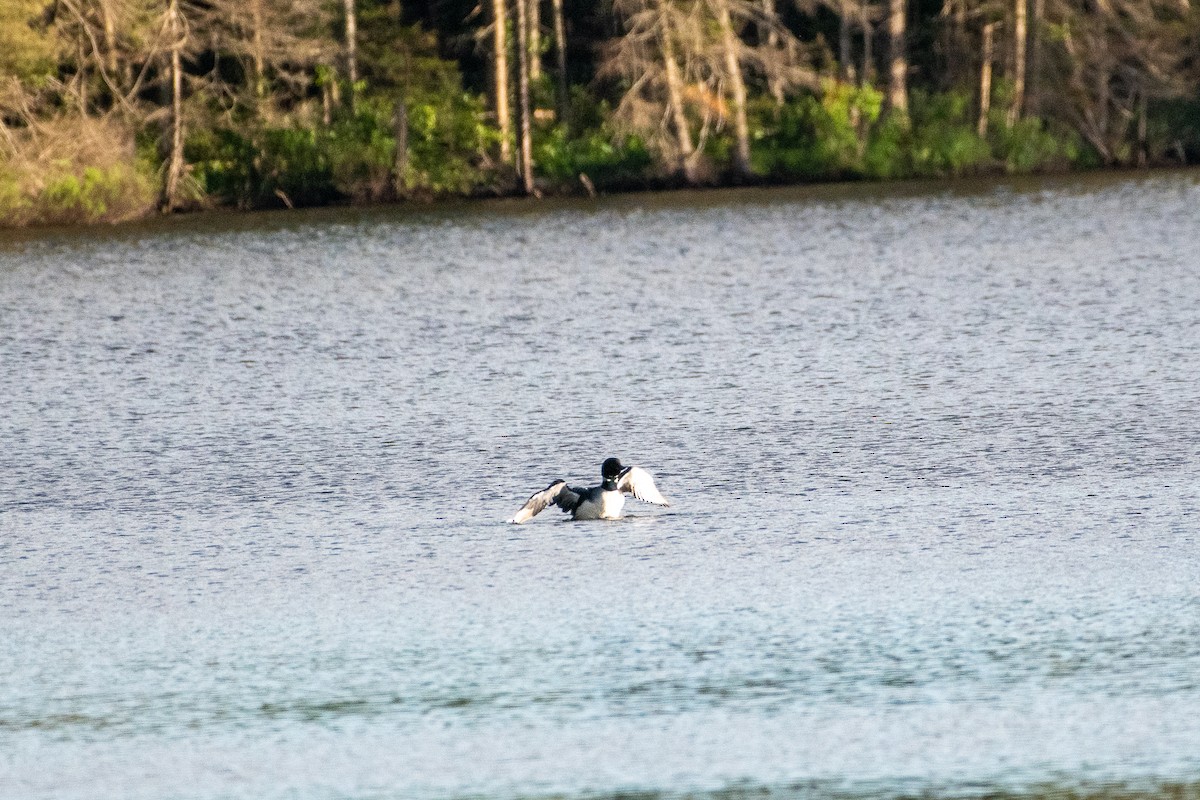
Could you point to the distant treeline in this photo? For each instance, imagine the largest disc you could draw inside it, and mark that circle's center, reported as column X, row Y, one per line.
column 111, row 109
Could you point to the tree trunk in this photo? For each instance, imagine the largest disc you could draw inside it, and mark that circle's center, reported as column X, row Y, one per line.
column 500, row 84
column 897, row 57
column 771, row 19
column 985, row 77
column 400, row 165
column 960, row 61
column 1020, row 44
column 845, row 56
column 1143, row 154
column 82, row 80
column 1100, row 116
column 560, row 58
column 535, row 39
column 1033, row 100
column 524, row 109
column 868, row 56
column 256, row 43
column 683, row 134
column 351, row 48
column 737, row 85
column 174, row 172
column 110, row 38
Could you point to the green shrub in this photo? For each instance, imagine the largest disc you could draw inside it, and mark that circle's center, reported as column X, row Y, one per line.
column 788, row 145
column 262, row 166
column 259, row 163
column 295, row 161
column 64, row 192
column 1029, row 146
column 944, row 136
column 606, row 160
column 818, row 138
column 888, row 149
column 845, row 134
column 88, row 194
column 14, row 202
column 361, row 151
column 447, row 137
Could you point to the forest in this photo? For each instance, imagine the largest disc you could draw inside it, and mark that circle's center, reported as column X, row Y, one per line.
column 118, row 109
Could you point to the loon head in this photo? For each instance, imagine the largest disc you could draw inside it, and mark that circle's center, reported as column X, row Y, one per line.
column 610, row 470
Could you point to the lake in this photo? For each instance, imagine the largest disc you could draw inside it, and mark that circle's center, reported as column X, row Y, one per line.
column 931, row 449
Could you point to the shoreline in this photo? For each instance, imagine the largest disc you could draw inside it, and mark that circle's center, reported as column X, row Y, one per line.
column 231, row 217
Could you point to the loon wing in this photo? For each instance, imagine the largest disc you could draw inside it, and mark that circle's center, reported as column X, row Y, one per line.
column 557, row 493
column 639, row 483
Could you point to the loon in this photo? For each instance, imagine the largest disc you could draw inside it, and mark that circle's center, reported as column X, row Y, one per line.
column 598, row 502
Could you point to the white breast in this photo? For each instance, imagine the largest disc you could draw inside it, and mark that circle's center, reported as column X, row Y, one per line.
column 611, row 505
column 608, row 506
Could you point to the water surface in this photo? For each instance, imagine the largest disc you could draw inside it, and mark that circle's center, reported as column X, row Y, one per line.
column 932, row 454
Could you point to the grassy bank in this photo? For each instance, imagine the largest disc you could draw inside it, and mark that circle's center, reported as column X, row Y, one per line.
column 78, row 172
column 116, row 111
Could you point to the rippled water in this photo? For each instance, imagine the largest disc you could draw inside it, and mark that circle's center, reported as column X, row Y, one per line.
column 932, row 454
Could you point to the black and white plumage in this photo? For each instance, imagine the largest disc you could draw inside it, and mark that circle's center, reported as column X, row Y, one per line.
column 597, row 502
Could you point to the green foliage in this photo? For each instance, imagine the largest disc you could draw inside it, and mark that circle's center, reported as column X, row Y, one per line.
column 361, row 151
column 263, row 166
column 844, row 134
column 584, row 111
column 98, row 193
column 69, row 193
column 585, row 144
column 944, row 139
column 415, row 124
column 841, row 134
column 1029, row 146
column 263, row 156
column 447, row 136
column 607, row 160
column 399, row 58
column 15, row 203
column 849, row 113
column 887, row 154
column 817, row 138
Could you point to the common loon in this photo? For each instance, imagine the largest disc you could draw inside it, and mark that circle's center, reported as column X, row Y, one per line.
column 598, row 502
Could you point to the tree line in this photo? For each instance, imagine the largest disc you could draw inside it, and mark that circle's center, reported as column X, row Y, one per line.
column 111, row 109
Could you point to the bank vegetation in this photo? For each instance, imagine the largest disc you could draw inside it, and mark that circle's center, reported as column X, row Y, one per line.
column 114, row 109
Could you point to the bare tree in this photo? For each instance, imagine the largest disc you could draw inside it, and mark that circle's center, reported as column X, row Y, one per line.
column 731, row 46
column 560, row 60
column 845, row 56
column 500, row 77
column 1020, row 46
column 985, row 77
column 685, row 63
column 647, row 58
column 533, row 11
column 1033, row 87
column 276, row 41
column 867, row 19
column 176, row 27
column 1112, row 57
column 675, row 89
column 956, row 46
column 897, row 96
column 351, row 18
column 524, row 106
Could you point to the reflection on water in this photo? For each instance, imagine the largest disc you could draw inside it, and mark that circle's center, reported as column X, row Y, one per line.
column 932, row 456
